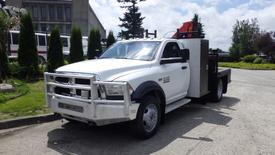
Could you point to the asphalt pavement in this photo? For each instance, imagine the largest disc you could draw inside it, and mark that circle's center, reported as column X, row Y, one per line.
column 243, row 123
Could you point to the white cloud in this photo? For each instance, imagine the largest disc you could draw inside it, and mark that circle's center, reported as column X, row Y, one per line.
column 213, row 2
column 167, row 16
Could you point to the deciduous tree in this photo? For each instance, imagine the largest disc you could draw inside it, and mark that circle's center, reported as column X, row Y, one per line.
column 245, row 34
column 266, row 45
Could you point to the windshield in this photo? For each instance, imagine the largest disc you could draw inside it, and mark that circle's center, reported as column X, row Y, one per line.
column 136, row 50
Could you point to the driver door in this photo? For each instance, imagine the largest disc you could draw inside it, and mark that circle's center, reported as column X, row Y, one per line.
column 175, row 73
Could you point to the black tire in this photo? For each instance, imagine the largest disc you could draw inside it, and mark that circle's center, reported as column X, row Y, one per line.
column 149, row 104
column 217, row 95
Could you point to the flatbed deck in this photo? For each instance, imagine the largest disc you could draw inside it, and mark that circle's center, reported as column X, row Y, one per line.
column 222, row 72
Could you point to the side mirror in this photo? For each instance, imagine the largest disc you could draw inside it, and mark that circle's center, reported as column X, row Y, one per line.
column 185, row 54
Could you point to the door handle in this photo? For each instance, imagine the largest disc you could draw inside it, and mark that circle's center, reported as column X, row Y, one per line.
column 184, row 67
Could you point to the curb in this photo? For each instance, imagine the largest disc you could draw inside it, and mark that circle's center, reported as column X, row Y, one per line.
column 23, row 121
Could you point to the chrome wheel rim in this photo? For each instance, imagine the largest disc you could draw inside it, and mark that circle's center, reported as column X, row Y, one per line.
column 150, row 117
column 220, row 89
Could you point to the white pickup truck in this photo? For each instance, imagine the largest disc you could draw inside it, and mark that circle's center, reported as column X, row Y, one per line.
column 136, row 80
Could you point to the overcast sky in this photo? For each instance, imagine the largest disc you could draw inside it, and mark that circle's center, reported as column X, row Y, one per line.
column 218, row 16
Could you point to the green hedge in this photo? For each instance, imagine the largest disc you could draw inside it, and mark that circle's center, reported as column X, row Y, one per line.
column 258, row 61
column 249, row 58
column 251, row 66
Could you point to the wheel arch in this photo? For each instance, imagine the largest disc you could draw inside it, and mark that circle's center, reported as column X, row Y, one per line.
column 151, row 88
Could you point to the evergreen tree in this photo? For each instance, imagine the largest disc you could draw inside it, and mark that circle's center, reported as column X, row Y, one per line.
column 27, row 52
column 76, row 49
column 110, row 39
column 4, row 69
column 198, row 27
column 132, row 20
column 91, row 45
column 55, row 52
column 98, row 43
column 94, row 45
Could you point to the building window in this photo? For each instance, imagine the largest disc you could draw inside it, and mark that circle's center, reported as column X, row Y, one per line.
column 43, row 12
column 68, row 13
column 51, row 26
column 35, row 12
column 68, row 29
column 52, row 12
column 62, row 28
column 36, row 28
column 60, row 12
column 43, row 27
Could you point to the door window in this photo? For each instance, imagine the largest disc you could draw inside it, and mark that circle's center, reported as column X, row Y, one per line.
column 171, row 50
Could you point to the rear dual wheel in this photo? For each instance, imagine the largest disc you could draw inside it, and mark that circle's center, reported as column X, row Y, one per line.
column 218, row 93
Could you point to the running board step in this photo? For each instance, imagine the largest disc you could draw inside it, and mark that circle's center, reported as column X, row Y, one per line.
column 175, row 105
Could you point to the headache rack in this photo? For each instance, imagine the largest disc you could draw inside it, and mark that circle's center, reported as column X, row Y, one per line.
column 82, row 88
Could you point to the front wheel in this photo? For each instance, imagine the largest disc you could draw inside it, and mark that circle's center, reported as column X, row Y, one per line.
column 148, row 118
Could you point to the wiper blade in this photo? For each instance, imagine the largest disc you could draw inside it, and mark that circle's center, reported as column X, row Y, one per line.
column 114, row 58
column 105, row 58
column 123, row 58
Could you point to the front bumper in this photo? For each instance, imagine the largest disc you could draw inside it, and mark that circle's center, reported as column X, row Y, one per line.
column 93, row 110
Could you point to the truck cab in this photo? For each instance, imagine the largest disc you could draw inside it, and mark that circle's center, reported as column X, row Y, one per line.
column 137, row 80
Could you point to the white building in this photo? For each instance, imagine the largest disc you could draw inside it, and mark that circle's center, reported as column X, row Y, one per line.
column 65, row 14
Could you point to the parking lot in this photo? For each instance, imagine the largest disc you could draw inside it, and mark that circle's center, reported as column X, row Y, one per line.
column 243, row 123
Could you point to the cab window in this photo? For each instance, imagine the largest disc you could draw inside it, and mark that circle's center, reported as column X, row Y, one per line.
column 171, row 50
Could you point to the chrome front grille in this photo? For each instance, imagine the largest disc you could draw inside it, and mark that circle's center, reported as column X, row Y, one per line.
column 70, row 87
column 71, row 91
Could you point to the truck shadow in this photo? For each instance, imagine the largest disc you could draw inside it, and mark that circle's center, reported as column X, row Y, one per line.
column 77, row 138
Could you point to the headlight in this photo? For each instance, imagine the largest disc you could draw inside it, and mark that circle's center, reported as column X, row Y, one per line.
column 117, row 90
column 114, row 90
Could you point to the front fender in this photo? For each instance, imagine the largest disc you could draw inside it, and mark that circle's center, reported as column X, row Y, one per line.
column 146, row 88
